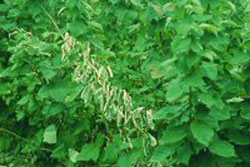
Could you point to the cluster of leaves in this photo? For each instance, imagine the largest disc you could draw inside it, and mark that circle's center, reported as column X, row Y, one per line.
column 207, row 116
column 186, row 59
column 44, row 112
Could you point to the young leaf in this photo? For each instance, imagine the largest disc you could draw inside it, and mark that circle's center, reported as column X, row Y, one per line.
column 73, row 154
column 49, row 135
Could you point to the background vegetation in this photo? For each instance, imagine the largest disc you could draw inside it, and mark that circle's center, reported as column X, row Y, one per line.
column 161, row 83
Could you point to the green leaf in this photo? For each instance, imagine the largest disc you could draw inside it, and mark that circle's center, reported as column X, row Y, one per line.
column 239, row 137
column 4, row 88
column 113, row 2
column 244, row 154
column 173, row 135
column 202, row 18
column 161, row 152
column 202, row 132
column 72, row 95
column 20, row 115
column 182, row 28
column 137, row 153
column 60, row 90
column 59, row 152
column 5, row 142
column 192, row 60
column 97, row 43
column 137, row 3
column 245, row 111
column 194, row 80
column 24, row 100
column 96, row 26
column 232, row 6
column 124, row 161
column 175, row 90
column 89, row 152
column 53, row 109
column 211, row 70
column 184, row 153
column 168, row 113
column 73, row 154
column 218, row 114
column 77, row 28
column 239, row 58
column 14, row 13
column 149, row 14
column 99, row 141
column 212, row 100
column 210, row 28
column 50, row 135
column 196, row 46
column 111, row 153
column 47, row 69
column 180, row 45
column 220, row 43
column 222, row 148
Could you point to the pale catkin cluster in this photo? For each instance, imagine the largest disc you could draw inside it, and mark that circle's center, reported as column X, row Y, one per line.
column 115, row 103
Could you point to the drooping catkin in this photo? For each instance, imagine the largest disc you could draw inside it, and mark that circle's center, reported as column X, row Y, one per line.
column 111, row 100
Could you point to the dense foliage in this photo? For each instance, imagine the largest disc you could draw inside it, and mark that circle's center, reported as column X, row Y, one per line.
column 125, row 83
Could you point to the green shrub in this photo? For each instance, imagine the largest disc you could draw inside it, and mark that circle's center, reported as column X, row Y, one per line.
column 187, row 60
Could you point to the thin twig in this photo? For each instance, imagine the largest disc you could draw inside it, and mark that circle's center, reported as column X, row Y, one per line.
column 22, row 138
column 52, row 20
column 13, row 134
